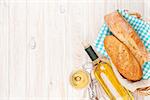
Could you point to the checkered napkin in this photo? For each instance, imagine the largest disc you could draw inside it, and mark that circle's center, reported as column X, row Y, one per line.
column 141, row 27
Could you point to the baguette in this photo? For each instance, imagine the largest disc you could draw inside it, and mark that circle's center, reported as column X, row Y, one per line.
column 122, row 58
column 126, row 34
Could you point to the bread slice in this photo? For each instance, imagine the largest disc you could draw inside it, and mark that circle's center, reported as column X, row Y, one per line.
column 122, row 58
column 126, row 34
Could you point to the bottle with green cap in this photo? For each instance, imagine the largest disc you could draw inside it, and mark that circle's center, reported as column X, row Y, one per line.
column 106, row 77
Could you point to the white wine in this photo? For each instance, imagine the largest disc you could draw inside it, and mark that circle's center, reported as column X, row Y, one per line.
column 79, row 79
column 106, row 77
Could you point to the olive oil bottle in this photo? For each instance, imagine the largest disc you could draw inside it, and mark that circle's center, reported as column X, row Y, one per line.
column 106, row 77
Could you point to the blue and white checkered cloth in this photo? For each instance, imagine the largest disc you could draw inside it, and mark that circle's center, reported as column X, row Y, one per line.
column 141, row 27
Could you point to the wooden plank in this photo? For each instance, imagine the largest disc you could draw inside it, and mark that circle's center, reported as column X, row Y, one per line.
column 4, row 53
column 17, row 51
column 54, row 50
column 77, row 30
column 37, row 86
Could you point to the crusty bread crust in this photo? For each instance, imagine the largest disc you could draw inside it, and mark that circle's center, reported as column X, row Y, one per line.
column 126, row 34
column 122, row 58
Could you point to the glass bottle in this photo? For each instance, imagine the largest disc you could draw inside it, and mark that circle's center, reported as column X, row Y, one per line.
column 106, row 77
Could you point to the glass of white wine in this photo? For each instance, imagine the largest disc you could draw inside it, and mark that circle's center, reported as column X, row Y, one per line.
column 82, row 79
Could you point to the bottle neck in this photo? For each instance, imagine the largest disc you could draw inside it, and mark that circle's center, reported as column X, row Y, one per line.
column 92, row 54
column 95, row 62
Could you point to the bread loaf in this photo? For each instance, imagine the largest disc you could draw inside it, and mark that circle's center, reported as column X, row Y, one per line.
column 126, row 34
column 122, row 58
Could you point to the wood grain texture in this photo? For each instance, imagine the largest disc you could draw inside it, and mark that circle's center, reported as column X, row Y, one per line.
column 4, row 52
column 40, row 44
column 17, row 50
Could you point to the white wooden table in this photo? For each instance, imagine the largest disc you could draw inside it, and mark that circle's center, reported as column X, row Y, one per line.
column 40, row 44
